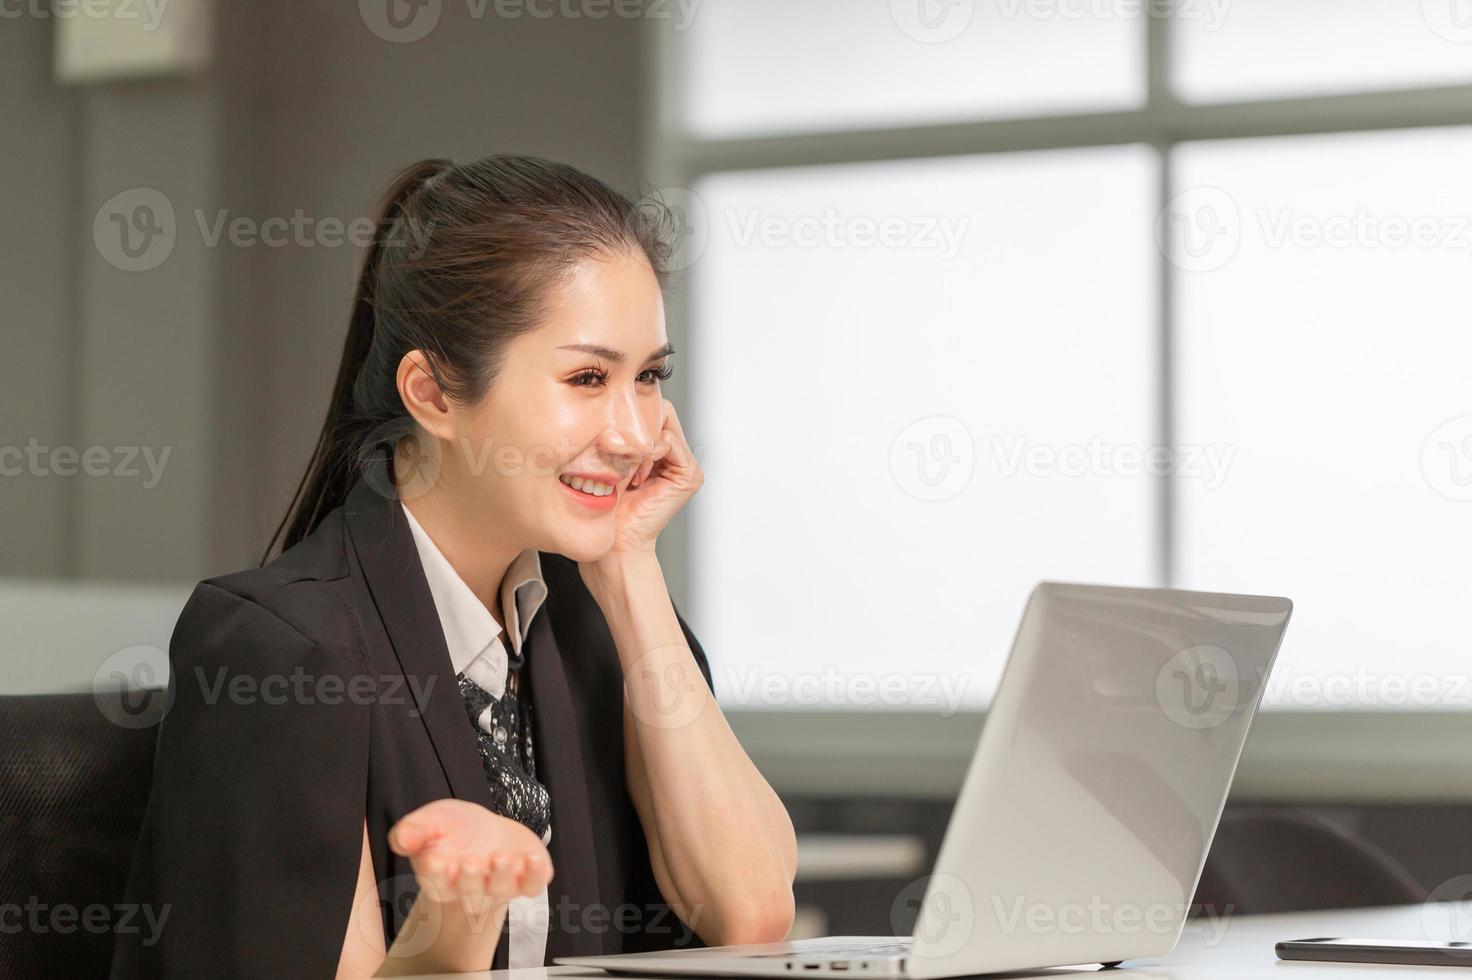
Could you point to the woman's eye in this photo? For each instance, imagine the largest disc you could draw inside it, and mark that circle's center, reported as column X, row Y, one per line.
column 593, row 377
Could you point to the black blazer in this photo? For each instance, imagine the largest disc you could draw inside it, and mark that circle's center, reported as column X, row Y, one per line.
column 317, row 690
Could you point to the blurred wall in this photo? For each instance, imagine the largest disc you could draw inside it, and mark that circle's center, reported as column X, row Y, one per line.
column 40, row 171
column 223, row 355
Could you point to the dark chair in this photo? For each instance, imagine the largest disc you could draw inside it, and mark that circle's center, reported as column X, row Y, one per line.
column 75, row 772
column 1291, row 860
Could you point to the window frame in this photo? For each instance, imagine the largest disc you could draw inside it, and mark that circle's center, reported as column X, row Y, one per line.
column 1298, row 754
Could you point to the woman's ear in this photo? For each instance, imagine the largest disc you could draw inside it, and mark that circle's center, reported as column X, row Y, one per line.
column 423, row 397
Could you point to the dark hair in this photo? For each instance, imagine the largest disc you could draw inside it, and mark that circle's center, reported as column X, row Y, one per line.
column 461, row 259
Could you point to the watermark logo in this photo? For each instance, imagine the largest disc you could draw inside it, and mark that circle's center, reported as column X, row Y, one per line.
column 129, row 685
column 1199, row 230
column 396, row 475
column 135, row 230
column 36, row 917
column 1450, row 19
column 37, row 459
column 932, row 21
column 1098, row 916
column 1210, row 14
column 681, row 219
column 940, row 233
column 400, row 21
column 420, row 462
column 1198, row 687
column 1364, row 687
column 681, row 13
column 420, row 922
column 598, row 918
column 149, row 13
column 1209, row 464
column 307, row 689
column 938, row 911
column 666, row 689
column 405, row 21
column 933, row 458
column 679, row 216
column 1364, row 229
column 1446, row 459
column 1446, row 915
column 752, row 686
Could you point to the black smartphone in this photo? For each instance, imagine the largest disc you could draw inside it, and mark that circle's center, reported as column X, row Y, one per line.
column 1406, row 952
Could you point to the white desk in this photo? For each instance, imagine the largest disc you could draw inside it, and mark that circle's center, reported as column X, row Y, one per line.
column 1239, row 948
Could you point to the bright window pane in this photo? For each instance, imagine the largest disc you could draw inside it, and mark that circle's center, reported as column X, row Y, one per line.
column 897, row 433
column 759, row 66
column 1241, row 49
column 1324, row 342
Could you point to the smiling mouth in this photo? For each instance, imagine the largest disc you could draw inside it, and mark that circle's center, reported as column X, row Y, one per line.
column 590, row 494
column 591, row 488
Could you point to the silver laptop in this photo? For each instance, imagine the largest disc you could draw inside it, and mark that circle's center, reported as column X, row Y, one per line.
column 1083, row 823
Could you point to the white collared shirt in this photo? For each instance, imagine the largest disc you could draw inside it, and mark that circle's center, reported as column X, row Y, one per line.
column 473, row 638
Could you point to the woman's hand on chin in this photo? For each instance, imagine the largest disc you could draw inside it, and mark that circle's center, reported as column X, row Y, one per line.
column 658, row 490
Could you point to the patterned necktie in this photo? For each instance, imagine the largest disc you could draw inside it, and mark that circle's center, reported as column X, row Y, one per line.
column 504, row 733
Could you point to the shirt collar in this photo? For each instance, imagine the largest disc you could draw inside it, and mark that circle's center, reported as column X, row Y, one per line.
column 468, row 625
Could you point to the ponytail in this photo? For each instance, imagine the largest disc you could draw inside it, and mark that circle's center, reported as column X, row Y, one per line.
column 333, row 464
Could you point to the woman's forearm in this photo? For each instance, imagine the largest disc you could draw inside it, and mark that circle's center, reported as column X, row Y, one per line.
column 721, row 841
column 457, row 936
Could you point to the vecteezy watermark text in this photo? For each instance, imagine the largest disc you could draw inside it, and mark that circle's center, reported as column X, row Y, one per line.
column 36, row 459
column 1211, row 14
column 37, row 918
column 1098, row 458
column 406, row 21
column 149, row 12
column 832, row 687
column 1099, row 915
column 136, row 230
column 303, row 688
column 940, row 233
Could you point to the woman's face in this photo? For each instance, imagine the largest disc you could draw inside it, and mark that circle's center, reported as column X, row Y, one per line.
column 579, row 396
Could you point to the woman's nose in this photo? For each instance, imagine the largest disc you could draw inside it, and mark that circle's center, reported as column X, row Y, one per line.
column 627, row 436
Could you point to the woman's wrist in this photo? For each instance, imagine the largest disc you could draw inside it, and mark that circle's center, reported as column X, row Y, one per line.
column 611, row 578
column 460, row 936
column 631, row 593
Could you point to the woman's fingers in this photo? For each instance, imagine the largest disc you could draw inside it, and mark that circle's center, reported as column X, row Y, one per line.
column 666, row 442
column 434, row 880
column 408, row 836
column 538, row 871
column 505, row 870
column 527, row 882
column 517, row 872
column 682, row 455
column 672, row 420
column 473, row 877
column 672, row 449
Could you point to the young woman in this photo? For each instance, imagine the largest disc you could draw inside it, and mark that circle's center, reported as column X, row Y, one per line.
column 458, row 723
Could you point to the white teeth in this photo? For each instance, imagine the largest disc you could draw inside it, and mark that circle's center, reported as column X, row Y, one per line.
column 587, row 486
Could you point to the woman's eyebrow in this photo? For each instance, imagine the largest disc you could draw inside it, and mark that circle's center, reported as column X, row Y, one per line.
column 616, row 356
